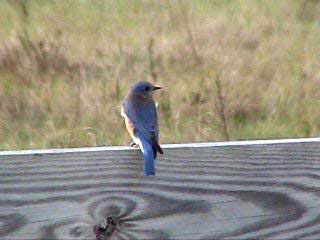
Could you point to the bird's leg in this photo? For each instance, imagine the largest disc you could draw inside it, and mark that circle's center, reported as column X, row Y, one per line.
column 133, row 144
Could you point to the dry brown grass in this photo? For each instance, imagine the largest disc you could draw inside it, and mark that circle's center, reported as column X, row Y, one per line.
column 66, row 66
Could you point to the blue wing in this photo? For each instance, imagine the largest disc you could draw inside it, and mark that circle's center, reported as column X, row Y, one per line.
column 143, row 115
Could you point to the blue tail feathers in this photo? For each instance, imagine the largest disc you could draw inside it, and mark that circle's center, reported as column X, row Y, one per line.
column 149, row 157
column 149, row 168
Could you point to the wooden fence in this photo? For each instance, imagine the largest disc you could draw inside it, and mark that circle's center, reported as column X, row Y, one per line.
column 233, row 190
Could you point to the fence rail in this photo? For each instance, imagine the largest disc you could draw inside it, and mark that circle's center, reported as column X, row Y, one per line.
column 241, row 190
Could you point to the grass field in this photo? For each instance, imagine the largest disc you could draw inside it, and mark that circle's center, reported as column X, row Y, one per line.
column 232, row 69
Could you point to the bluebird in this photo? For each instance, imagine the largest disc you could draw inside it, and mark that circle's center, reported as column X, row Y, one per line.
column 140, row 114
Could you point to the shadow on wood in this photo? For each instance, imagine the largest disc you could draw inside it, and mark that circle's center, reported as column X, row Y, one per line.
column 240, row 190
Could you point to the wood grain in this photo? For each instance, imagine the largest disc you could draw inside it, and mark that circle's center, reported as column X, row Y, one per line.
column 237, row 191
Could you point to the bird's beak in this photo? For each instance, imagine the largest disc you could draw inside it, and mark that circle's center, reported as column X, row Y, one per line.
column 156, row 88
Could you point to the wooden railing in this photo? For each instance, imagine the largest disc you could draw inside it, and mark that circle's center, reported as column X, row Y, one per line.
column 240, row 190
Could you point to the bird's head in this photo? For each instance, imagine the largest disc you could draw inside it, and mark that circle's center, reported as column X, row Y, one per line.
column 143, row 89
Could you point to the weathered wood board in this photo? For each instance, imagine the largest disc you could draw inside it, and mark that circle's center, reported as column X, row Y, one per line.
column 239, row 190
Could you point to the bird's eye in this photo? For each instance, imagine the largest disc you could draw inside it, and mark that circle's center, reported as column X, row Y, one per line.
column 147, row 88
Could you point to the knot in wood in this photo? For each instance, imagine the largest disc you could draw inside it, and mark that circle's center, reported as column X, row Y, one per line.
column 105, row 228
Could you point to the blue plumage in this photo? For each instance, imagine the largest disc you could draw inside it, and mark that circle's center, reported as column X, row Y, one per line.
column 141, row 119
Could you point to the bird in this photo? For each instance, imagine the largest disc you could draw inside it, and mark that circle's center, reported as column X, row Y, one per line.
column 140, row 114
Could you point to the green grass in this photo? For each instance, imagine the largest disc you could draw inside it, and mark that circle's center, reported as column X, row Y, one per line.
column 65, row 67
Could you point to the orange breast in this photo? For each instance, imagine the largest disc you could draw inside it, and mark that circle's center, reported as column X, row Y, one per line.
column 130, row 127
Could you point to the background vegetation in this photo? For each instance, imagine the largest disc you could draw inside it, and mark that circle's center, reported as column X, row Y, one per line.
column 232, row 69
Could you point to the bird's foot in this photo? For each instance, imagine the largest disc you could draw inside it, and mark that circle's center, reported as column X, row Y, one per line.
column 133, row 144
